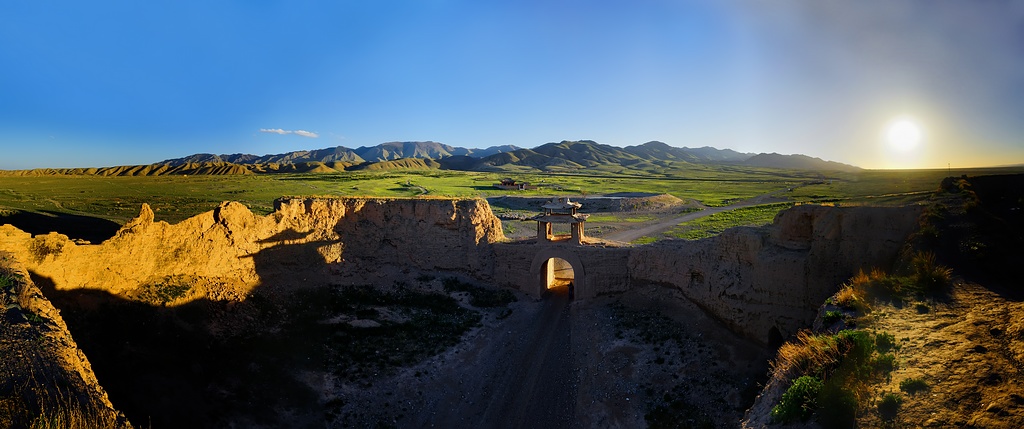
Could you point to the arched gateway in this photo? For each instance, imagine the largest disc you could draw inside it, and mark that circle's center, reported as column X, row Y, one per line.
column 555, row 266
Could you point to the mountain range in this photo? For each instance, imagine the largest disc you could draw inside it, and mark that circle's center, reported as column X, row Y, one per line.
column 579, row 154
column 383, row 152
column 566, row 156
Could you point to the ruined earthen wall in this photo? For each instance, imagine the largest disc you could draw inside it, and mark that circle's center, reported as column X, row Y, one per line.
column 754, row 279
column 758, row 279
column 424, row 234
column 226, row 252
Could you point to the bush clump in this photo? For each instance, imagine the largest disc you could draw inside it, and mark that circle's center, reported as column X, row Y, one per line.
column 889, row 406
column 914, row 385
column 831, row 316
column 799, row 401
column 843, row 363
column 885, row 341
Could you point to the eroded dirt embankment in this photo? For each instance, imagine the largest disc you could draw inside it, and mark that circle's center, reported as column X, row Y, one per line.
column 44, row 376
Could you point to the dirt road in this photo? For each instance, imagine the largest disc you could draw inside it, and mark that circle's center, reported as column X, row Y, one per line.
column 535, row 387
column 523, row 377
column 633, row 234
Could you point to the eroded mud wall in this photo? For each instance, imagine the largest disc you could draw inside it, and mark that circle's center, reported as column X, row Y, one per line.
column 767, row 283
column 224, row 253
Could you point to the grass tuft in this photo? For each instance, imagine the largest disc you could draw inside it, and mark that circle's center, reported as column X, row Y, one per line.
column 928, row 275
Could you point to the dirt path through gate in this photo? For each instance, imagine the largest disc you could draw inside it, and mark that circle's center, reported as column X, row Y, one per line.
column 517, row 377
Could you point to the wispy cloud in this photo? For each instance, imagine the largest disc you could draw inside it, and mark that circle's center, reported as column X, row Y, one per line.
column 302, row 133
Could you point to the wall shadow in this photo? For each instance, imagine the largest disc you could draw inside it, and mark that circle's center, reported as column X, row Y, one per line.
column 93, row 229
column 205, row 364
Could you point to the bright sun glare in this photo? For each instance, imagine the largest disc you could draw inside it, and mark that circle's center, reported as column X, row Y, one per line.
column 903, row 135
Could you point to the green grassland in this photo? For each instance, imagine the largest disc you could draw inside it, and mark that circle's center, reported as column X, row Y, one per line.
column 174, row 198
column 718, row 222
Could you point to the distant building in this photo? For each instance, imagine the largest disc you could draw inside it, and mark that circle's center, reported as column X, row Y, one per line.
column 561, row 210
column 509, row 184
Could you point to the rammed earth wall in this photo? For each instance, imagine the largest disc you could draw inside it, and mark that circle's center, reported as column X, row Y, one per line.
column 762, row 282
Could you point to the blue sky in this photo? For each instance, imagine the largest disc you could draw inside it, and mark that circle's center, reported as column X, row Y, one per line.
column 127, row 82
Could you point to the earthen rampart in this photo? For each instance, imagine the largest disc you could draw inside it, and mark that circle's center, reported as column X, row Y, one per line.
column 763, row 282
column 224, row 253
column 766, row 283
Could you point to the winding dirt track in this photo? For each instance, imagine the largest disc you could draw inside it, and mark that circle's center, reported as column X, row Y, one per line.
column 633, row 234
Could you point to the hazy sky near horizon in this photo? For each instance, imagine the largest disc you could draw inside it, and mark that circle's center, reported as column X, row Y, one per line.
column 125, row 82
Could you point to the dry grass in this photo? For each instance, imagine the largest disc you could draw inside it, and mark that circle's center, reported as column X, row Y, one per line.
column 852, row 298
column 76, row 417
column 928, row 275
column 807, row 354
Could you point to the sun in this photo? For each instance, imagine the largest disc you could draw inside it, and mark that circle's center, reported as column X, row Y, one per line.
column 903, row 135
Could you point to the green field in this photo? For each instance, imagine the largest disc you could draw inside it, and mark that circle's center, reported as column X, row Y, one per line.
column 718, row 222
column 174, row 198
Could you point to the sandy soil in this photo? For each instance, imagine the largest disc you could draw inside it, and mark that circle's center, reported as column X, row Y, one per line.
column 969, row 350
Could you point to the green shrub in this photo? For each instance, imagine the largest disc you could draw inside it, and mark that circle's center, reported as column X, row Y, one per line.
column 8, row 281
column 885, row 341
column 914, row 385
column 856, row 345
column 889, row 406
column 885, row 363
column 831, row 316
column 799, row 401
